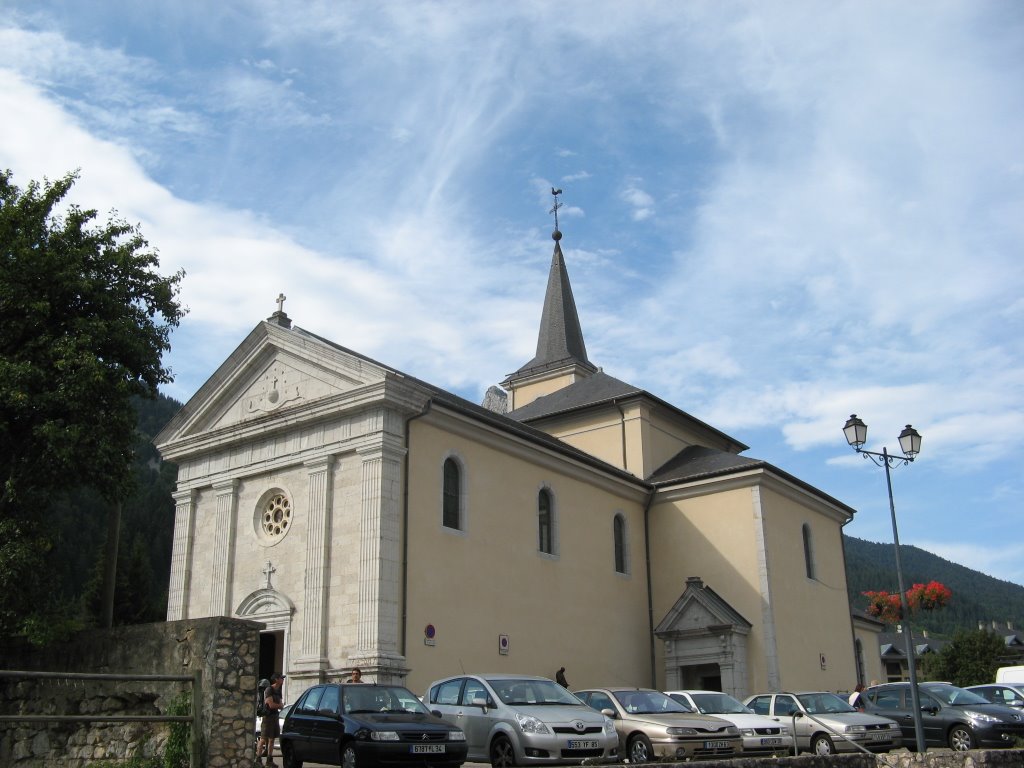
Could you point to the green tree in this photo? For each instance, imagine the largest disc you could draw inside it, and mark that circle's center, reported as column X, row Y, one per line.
column 970, row 658
column 86, row 319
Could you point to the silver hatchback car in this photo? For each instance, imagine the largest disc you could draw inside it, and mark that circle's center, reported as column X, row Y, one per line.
column 521, row 719
column 826, row 723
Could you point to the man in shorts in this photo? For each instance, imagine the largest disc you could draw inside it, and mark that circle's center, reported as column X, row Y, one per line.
column 270, row 727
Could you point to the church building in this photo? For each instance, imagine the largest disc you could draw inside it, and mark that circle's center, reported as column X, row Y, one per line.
column 371, row 519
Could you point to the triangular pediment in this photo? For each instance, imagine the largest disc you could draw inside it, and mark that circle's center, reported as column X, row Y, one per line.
column 275, row 371
column 699, row 609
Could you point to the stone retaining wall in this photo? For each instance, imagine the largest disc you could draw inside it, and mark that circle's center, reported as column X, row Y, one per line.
column 224, row 650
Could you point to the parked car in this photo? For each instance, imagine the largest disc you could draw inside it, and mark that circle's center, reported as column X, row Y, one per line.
column 825, row 723
column 652, row 726
column 522, row 719
column 1001, row 693
column 950, row 716
column 1011, row 675
column 364, row 724
column 762, row 735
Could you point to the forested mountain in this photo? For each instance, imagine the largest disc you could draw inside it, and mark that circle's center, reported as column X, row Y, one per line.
column 79, row 524
column 976, row 597
column 148, row 526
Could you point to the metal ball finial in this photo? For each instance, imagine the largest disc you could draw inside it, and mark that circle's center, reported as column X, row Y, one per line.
column 556, row 235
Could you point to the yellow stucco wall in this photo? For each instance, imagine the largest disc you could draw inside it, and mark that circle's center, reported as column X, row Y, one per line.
column 524, row 393
column 634, row 435
column 812, row 615
column 868, row 637
column 711, row 537
column 714, row 537
column 569, row 610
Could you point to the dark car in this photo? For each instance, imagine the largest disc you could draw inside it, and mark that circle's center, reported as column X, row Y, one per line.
column 951, row 717
column 1001, row 693
column 362, row 724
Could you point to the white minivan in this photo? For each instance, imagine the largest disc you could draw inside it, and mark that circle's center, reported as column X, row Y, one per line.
column 1010, row 675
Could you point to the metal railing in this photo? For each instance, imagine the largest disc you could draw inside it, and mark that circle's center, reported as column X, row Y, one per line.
column 194, row 718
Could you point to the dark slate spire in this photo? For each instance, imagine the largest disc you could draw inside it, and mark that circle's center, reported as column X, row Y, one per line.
column 560, row 338
column 560, row 341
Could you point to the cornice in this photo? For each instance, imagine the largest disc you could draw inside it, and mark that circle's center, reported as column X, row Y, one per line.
column 394, row 394
column 763, row 477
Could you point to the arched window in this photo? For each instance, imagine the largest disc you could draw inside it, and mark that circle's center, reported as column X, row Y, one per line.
column 808, row 551
column 451, row 514
column 545, row 522
column 621, row 553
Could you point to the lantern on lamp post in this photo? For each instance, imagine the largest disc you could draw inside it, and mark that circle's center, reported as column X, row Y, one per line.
column 856, row 432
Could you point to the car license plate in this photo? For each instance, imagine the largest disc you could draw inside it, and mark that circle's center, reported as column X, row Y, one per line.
column 771, row 742
column 427, row 749
column 583, row 744
column 717, row 744
column 880, row 737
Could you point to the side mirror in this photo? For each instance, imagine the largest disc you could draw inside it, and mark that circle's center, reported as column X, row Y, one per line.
column 481, row 701
column 610, row 713
column 436, row 712
column 931, row 709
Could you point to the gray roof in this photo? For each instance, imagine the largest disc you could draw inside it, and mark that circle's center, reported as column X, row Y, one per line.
column 696, row 461
column 560, row 341
column 599, row 388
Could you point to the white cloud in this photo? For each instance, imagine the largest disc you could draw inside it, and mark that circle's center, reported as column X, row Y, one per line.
column 820, row 209
column 641, row 202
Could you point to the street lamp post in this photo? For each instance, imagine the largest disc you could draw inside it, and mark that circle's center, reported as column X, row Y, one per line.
column 856, row 432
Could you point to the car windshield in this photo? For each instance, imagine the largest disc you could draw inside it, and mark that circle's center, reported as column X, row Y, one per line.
column 648, row 702
column 950, row 694
column 381, row 698
column 824, row 703
column 719, row 704
column 517, row 693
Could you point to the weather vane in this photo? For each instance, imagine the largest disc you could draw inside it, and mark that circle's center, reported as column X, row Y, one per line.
column 556, row 235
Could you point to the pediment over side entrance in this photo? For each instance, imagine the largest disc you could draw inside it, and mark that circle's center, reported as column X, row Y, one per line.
column 700, row 609
column 705, row 642
column 275, row 370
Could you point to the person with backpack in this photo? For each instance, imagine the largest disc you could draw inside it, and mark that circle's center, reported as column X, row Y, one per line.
column 270, row 726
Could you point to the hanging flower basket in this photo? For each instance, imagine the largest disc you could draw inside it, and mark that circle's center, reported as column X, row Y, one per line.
column 886, row 606
column 928, row 597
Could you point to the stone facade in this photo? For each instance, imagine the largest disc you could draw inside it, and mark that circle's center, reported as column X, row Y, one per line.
column 224, row 651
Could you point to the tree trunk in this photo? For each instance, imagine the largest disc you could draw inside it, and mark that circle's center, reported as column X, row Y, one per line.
column 110, row 566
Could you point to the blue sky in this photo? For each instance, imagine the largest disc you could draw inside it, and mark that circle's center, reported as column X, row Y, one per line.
column 776, row 214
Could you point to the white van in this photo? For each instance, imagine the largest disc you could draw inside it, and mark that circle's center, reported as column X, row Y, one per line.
column 1010, row 675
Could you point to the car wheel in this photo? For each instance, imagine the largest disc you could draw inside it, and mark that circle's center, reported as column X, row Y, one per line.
column 348, row 756
column 503, row 754
column 639, row 749
column 961, row 739
column 288, row 756
column 822, row 745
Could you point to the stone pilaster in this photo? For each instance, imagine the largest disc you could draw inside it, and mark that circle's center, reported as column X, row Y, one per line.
column 380, row 565
column 223, row 547
column 181, row 555
column 313, row 651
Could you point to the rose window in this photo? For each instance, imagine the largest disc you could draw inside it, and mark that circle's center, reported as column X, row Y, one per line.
column 277, row 515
